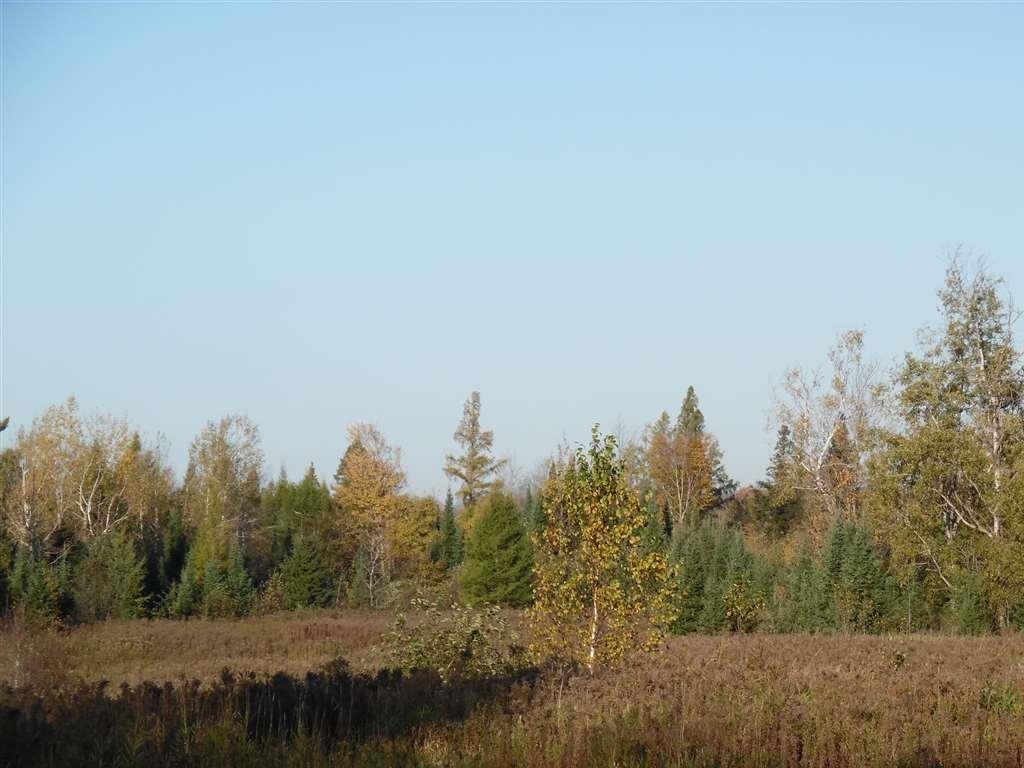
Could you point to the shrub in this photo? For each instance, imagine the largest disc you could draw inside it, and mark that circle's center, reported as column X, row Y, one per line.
column 461, row 642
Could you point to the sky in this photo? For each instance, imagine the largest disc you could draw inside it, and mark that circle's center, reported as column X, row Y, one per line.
column 316, row 214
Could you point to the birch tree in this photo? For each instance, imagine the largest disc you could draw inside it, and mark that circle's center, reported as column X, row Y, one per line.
column 949, row 487
column 843, row 402
column 71, row 476
column 222, row 493
column 599, row 593
column 369, row 480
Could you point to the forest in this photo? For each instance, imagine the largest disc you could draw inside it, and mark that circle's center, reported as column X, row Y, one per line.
column 893, row 506
column 894, row 501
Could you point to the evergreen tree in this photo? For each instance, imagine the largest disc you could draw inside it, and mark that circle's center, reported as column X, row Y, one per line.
column 717, row 584
column 449, row 541
column 807, row 605
column 305, row 580
column 358, row 592
column 173, row 549
column 969, row 608
column 227, row 591
column 35, row 587
column 862, row 589
column 239, row 583
column 690, row 419
column 109, row 582
column 533, row 513
column 7, row 553
column 690, row 422
column 185, row 596
column 499, row 557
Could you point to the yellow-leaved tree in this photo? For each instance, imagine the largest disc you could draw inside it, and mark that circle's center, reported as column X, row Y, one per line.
column 599, row 592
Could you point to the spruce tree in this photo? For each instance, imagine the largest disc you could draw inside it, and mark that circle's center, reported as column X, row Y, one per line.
column 305, row 580
column 35, row 587
column 173, row 549
column 449, row 550
column 807, row 605
column 239, row 583
column 185, row 596
column 499, row 557
column 109, row 582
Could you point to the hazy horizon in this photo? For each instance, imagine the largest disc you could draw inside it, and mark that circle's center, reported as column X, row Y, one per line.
column 317, row 215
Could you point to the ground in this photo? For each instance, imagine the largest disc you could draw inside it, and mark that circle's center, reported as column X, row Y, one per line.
column 788, row 700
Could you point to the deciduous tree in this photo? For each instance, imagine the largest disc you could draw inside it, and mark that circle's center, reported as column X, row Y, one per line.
column 475, row 467
column 599, row 593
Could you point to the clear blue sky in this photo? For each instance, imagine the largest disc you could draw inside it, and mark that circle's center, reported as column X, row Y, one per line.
column 316, row 214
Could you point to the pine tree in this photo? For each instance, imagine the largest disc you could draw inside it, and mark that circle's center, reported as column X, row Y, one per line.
column 305, row 580
column 7, row 554
column 533, row 513
column 358, row 592
column 499, row 557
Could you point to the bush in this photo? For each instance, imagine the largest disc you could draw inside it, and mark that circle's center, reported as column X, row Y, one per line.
column 459, row 643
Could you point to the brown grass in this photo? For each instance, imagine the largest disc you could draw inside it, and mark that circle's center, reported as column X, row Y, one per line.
column 161, row 649
column 762, row 700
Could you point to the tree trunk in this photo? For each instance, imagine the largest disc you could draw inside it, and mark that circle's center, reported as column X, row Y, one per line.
column 592, row 654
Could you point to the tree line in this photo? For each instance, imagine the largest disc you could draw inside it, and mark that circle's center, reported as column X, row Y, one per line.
column 893, row 500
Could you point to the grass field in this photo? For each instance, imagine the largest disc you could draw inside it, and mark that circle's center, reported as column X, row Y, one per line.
column 765, row 700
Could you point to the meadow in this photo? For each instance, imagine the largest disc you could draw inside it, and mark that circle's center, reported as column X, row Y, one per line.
column 308, row 689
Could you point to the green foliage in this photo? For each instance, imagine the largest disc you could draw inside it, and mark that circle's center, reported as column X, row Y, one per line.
column 499, row 556
column 458, row 643
column 109, row 581
column 599, row 594
column 289, row 510
column 173, row 549
column 227, row 591
column 305, row 581
column 806, row 603
column 533, row 512
column 969, row 609
column 184, row 596
column 7, row 554
column 37, row 587
column 357, row 594
column 449, row 547
column 863, row 591
column 717, row 586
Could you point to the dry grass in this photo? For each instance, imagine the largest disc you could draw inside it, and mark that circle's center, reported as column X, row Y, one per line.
column 162, row 649
column 763, row 700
